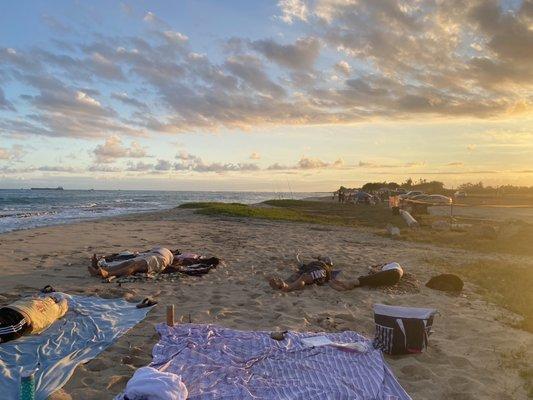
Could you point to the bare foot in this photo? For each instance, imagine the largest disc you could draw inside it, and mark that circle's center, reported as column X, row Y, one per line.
column 98, row 272
column 276, row 283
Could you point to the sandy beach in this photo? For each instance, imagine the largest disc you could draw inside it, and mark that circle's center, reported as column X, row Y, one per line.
column 472, row 354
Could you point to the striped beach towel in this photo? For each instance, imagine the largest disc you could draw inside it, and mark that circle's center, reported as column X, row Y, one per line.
column 216, row 362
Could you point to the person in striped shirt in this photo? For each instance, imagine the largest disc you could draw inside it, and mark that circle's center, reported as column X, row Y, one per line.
column 317, row 272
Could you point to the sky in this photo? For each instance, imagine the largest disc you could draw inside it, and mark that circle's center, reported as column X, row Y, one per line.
column 300, row 95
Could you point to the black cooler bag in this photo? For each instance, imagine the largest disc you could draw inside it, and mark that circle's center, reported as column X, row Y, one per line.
column 402, row 330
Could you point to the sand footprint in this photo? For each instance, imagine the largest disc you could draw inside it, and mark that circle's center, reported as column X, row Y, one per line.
column 416, row 371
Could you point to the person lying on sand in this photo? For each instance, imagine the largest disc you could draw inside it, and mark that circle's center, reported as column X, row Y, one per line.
column 31, row 315
column 316, row 272
column 382, row 275
column 320, row 272
column 156, row 260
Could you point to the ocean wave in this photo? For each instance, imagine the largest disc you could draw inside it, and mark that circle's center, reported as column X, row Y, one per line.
column 23, row 209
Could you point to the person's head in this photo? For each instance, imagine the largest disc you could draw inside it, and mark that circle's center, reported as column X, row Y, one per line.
column 326, row 260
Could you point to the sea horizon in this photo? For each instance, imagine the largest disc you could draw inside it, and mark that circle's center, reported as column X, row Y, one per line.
column 26, row 208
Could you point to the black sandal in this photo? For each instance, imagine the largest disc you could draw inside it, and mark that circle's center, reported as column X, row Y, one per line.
column 48, row 289
column 147, row 302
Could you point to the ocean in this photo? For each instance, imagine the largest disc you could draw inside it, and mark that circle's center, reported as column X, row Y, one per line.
column 24, row 208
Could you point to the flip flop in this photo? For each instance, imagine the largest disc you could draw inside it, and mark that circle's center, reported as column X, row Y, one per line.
column 47, row 289
column 147, row 302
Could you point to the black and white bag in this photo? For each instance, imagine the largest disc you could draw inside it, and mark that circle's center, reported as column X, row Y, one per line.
column 402, row 330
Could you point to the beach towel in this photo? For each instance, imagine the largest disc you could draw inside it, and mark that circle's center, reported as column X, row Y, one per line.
column 215, row 362
column 91, row 325
column 148, row 383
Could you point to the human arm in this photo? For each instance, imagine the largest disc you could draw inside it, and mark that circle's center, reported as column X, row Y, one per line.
column 342, row 286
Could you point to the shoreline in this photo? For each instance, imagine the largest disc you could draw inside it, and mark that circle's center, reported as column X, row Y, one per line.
column 23, row 209
column 457, row 363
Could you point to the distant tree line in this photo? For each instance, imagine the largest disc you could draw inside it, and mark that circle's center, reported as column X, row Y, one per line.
column 422, row 185
column 436, row 187
column 479, row 188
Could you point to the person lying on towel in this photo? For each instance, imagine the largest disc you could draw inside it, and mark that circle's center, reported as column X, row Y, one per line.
column 154, row 261
column 30, row 315
column 320, row 272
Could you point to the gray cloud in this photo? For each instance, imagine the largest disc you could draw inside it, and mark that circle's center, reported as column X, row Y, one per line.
column 55, row 24
column 452, row 59
column 190, row 162
column 298, row 56
column 131, row 101
column 4, row 103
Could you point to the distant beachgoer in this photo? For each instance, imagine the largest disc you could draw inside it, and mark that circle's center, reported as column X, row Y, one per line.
column 154, row 261
column 30, row 315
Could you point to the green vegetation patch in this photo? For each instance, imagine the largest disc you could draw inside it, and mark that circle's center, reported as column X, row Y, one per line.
column 243, row 210
column 377, row 217
column 327, row 213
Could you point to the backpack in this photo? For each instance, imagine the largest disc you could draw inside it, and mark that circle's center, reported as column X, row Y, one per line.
column 402, row 330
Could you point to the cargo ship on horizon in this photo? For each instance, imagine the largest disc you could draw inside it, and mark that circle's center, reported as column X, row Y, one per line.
column 47, row 188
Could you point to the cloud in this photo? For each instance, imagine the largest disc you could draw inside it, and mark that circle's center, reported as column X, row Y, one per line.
column 411, row 164
column 307, row 163
column 471, row 147
column 130, row 101
column 140, row 166
column 293, row 10
column 343, row 68
column 255, row 156
column 104, row 168
column 4, row 154
column 250, row 71
column 64, row 111
column 298, row 56
column 392, row 60
column 113, row 149
column 15, row 153
column 151, row 18
column 190, row 162
column 105, row 68
column 55, row 24
column 57, row 168
column 163, row 165
column 4, row 103
column 455, row 164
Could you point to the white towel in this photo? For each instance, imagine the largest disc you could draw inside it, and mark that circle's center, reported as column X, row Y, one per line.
column 148, row 383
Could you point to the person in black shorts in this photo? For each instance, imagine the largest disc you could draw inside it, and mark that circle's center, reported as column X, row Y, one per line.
column 12, row 324
column 320, row 272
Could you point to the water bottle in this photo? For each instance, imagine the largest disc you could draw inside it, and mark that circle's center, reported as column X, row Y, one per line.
column 27, row 385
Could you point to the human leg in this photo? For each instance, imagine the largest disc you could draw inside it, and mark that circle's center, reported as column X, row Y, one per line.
column 381, row 278
column 288, row 286
column 129, row 267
